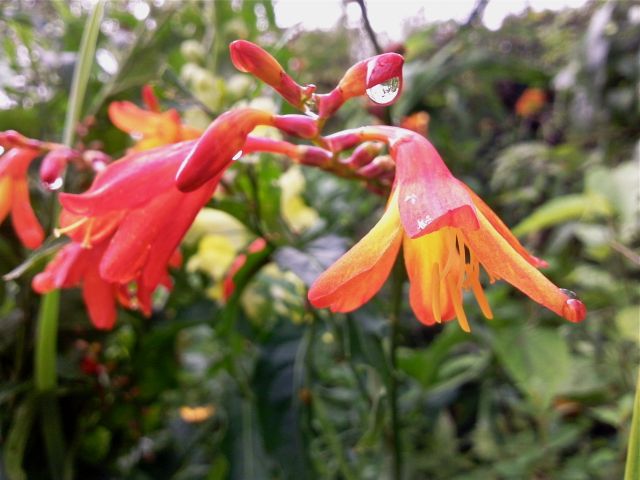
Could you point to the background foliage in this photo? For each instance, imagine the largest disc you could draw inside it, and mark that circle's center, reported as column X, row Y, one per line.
column 265, row 387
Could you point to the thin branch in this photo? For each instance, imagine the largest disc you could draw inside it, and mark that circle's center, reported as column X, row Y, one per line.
column 368, row 27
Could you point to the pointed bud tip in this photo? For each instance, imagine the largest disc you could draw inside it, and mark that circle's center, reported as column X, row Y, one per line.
column 574, row 310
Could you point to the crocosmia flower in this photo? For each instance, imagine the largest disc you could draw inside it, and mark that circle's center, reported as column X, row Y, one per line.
column 14, row 195
column 448, row 236
column 152, row 128
column 125, row 231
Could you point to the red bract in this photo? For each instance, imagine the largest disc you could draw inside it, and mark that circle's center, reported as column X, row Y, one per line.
column 14, row 195
column 448, row 233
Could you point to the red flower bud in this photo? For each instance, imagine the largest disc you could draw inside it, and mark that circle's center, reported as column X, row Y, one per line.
column 218, row 146
column 250, row 58
column 298, row 125
column 370, row 73
column 53, row 165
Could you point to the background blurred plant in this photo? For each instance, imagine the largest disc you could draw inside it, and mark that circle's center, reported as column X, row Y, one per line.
column 539, row 117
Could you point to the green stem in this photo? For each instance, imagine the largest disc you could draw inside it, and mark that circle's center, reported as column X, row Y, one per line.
column 47, row 330
column 46, row 336
column 632, row 469
column 396, row 306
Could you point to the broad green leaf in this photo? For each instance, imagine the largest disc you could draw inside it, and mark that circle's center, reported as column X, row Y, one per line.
column 536, row 358
column 563, row 209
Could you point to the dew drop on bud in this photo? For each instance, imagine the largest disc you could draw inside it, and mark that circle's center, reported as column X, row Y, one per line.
column 311, row 108
column 569, row 293
column 55, row 185
column 386, row 92
column 238, row 154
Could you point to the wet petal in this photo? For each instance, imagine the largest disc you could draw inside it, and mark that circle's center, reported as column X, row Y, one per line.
column 361, row 272
column 430, row 198
column 500, row 259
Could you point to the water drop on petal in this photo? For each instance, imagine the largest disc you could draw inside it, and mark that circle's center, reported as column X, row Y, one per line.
column 238, row 154
column 569, row 293
column 386, row 92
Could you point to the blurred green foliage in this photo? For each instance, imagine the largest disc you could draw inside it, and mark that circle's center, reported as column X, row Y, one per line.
column 289, row 392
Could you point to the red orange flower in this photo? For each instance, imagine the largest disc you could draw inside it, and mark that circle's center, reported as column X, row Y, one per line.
column 151, row 127
column 531, row 102
column 125, row 231
column 448, row 233
column 14, row 195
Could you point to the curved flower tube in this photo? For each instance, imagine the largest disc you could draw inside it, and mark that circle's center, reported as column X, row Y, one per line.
column 14, row 195
column 447, row 232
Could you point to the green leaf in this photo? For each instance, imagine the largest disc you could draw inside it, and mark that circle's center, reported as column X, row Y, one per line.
column 563, row 209
column 81, row 73
column 536, row 358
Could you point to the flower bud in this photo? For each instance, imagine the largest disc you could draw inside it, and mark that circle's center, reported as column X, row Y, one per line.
column 363, row 154
column 218, row 146
column 370, row 73
column 314, row 156
column 298, row 125
column 250, row 58
column 53, row 165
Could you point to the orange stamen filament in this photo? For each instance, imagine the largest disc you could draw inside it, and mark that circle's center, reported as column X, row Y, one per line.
column 57, row 232
column 435, row 293
column 86, row 239
column 461, row 271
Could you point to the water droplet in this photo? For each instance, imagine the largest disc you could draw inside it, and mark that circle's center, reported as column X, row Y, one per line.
column 311, row 107
column 55, row 185
column 569, row 293
column 238, row 154
column 386, row 92
column 411, row 198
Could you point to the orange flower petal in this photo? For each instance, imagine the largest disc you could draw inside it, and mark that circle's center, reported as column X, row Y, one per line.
column 503, row 230
column 6, row 195
column 361, row 272
column 425, row 258
column 501, row 260
column 24, row 220
column 130, row 118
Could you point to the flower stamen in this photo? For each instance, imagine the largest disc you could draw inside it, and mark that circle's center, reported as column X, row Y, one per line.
column 58, row 232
